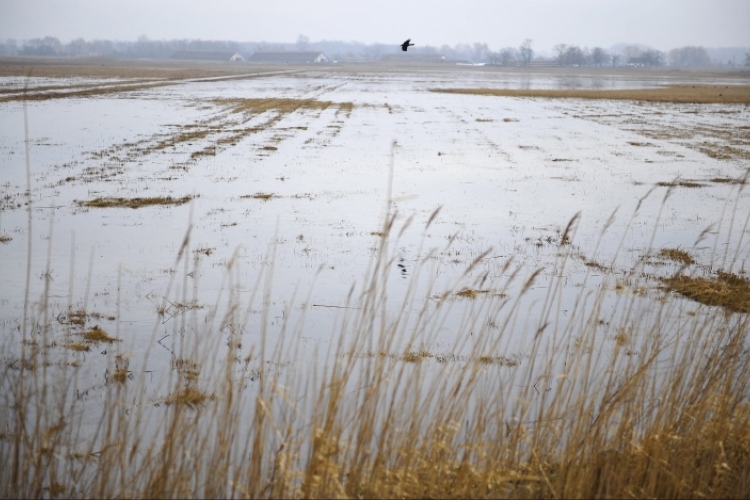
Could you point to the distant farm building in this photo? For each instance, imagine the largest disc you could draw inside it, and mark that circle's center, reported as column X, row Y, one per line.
column 288, row 57
column 536, row 63
column 208, row 55
column 412, row 57
column 637, row 62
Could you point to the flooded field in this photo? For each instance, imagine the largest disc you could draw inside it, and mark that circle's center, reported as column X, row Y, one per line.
column 302, row 159
column 138, row 215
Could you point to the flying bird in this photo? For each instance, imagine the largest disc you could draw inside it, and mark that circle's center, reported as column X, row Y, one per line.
column 406, row 45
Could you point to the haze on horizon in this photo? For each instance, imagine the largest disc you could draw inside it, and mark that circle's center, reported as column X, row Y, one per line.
column 661, row 25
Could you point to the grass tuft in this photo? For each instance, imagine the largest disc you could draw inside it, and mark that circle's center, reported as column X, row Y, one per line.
column 470, row 293
column 685, row 184
column 259, row 196
column 726, row 290
column 97, row 334
column 78, row 346
column 188, row 396
column 134, row 202
column 676, row 255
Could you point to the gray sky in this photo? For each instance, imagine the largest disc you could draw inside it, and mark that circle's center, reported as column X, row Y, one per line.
column 662, row 24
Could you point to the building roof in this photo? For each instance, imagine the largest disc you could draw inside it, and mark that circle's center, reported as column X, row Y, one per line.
column 208, row 55
column 288, row 56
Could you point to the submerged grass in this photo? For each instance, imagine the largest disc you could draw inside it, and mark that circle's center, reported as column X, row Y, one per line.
column 188, row 396
column 676, row 255
column 280, row 104
column 117, row 202
column 97, row 334
column 259, row 196
column 681, row 183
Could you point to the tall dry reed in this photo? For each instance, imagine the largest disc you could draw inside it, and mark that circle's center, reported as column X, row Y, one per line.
column 660, row 412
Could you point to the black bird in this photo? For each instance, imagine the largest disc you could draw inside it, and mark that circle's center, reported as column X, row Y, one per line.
column 406, row 45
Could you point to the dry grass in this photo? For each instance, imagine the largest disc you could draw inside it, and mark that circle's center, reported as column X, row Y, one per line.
column 728, row 180
column 679, row 183
column 389, row 426
column 84, row 92
column 377, row 426
column 650, row 401
column 259, row 196
column 116, row 202
column 188, row 396
column 676, row 255
column 698, row 94
column 73, row 317
column 78, row 346
column 127, row 76
column 97, row 334
column 726, row 290
column 280, row 104
column 470, row 293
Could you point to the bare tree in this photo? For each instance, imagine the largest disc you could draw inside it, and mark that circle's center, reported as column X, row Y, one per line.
column 372, row 52
column 9, row 47
column 47, row 46
column 574, row 56
column 599, row 56
column 302, row 42
column 560, row 49
column 463, row 51
column 653, row 57
column 508, row 55
column 480, row 52
column 747, row 59
column 615, row 59
column 77, row 47
column 525, row 52
column 631, row 52
column 689, row 56
column 569, row 55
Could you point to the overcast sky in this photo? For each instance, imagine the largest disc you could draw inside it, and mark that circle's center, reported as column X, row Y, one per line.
column 661, row 24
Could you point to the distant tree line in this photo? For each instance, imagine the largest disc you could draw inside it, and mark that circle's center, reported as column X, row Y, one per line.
column 143, row 47
column 523, row 55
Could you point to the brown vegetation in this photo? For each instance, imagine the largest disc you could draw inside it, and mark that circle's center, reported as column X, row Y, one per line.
column 698, row 94
column 188, row 396
column 283, row 105
column 134, row 202
column 649, row 402
column 259, row 196
column 679, row 183
column 97, row 334
column 676, row 255
column 614, row 424
column 726, row 290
